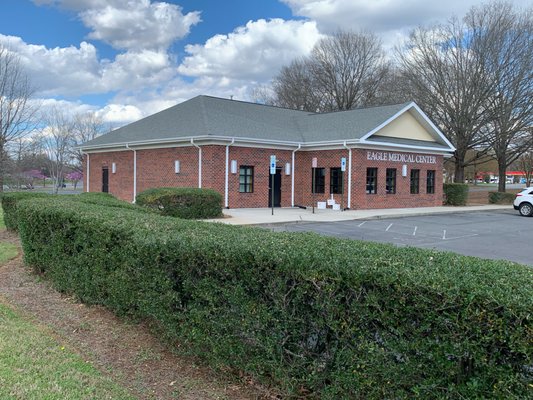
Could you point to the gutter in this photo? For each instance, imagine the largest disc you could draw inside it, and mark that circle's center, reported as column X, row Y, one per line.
column 292, row 174
column 199, row 162
column 134, row 171
column 226, row 183
column 88, row 171
column 349, row 174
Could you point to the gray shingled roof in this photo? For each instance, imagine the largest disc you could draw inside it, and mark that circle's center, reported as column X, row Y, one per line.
column 211, row 116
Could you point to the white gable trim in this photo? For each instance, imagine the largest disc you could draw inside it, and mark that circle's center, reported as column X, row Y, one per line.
column 421, row 114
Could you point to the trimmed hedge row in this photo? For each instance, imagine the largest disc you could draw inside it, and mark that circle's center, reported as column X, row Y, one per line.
column 501, row 198
column 188, row 203
column 9, row 206
column 316, row 316
column 10, row 201
column 455, row 194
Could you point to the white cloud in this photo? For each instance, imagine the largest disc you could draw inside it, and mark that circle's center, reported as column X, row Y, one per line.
column 391, row 19
column 131, row 24
column 70, row 108
column 119, row 114
column 255, row 51
column 73, row 71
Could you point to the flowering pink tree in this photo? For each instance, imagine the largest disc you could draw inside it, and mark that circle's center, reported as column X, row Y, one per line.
column 75, row 177
column 31, row 175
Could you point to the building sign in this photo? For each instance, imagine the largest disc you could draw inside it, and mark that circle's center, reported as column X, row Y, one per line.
column 400, row 157
column 272, row 165
column 343, row 164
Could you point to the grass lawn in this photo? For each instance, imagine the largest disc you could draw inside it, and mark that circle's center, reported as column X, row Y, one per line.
column 35, row 365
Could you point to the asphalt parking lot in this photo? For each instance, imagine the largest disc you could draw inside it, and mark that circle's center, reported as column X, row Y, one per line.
column 501, row 234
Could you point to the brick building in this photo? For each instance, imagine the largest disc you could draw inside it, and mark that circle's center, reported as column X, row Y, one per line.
column 380, row 157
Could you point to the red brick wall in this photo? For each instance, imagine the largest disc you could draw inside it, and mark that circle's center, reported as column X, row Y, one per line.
column 260, row 160
column 402, row 198
column 155, row 168
column 121, row 182
column 304, row 177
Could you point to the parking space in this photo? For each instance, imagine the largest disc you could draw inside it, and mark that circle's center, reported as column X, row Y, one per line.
column 488, row 234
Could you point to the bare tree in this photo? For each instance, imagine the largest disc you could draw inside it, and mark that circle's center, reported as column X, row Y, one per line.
column 509, row 62
column 348, row 68
column 343, row 71
column 448, row 80
column 16, row 111
column 525, row 162
column 85, row 127
column 56, row 139
column 295, row 87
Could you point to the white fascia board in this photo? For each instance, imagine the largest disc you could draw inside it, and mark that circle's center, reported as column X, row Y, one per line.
column 388, row 121
column 420, row 114
column 433, row 126
column 368, row 144
column 186, row 141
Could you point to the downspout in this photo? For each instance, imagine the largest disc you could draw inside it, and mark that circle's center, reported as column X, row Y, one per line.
column 349, row 175
column 292, row 174
column 134, row 172
column 199, row 162
column 88, row 171
column 226, row 183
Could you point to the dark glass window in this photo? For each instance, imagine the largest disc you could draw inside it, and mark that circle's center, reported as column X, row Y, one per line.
column 335, row 181
column 320, row 180
column 430, row 182
column 371, row 180
column 415, row 181
column 246, row 179
column 391, row 180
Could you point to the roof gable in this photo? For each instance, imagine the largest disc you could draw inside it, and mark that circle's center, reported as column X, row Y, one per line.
column 405, row 126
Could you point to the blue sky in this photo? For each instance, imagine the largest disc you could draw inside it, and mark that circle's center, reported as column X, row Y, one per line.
column 125, row 59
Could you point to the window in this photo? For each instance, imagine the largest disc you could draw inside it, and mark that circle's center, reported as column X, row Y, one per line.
column 415, row 181
column 320, row 180
column 246, row 179
column 335, row 181
column 391, row 181
column 430, row 182
column 371, row 180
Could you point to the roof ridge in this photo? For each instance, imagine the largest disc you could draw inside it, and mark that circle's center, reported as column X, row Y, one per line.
column 405, row 104
column 258, row 104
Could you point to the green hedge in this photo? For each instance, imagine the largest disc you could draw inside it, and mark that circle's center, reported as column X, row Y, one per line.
column 501, row 198
column 316, row 316
column 189, row 203
column 10, row 200
column 455, row 194
column 9, row 206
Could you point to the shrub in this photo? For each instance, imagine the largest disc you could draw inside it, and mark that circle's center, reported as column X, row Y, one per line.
column 317, row 316
column 106, row 199
column 501, row 198
column 9, row 206
column 189, row 203
column 455, row 194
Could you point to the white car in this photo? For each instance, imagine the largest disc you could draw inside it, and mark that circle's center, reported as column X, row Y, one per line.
column 524, row 202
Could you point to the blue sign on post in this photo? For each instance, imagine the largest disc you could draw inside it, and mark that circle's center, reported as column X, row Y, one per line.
column 343, row 164
column 272, row 165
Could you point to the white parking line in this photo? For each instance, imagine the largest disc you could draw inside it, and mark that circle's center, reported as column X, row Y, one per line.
column 361, row 224
column 414, row 232
column 388, row 227
column 444, row 235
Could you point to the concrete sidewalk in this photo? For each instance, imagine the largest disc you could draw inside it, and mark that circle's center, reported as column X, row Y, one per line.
column 255, row 216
